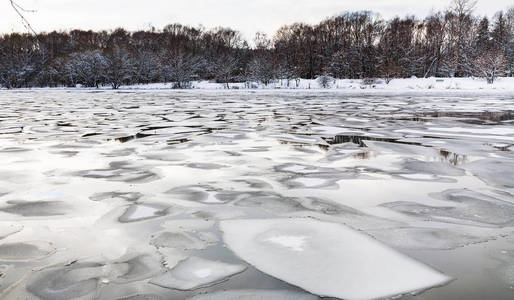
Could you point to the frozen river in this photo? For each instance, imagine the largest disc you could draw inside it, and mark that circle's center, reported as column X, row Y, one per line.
column 255, row 195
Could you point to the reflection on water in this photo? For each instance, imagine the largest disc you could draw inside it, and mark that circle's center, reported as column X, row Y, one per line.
column 481, row 117
column 359, row 140
column 453, row 158
column 445, row 156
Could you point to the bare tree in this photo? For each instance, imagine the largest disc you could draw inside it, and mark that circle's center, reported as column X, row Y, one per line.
column 358, row 44
column 262, row 69
column 224, row 68
column 459, row 21
column 181, row 69
column 490, row 65
column 119, row 67
column 87, row 68
column 389, row 71
column 325, row 81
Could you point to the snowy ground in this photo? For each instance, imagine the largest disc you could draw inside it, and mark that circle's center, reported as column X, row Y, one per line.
column 352, row 86
column 162, row 194
column 395, row 85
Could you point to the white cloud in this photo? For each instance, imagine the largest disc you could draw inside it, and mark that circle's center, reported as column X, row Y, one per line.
column 248, row 16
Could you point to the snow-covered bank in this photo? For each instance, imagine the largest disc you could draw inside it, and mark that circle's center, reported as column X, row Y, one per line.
column 402, row 84
column 432, row 85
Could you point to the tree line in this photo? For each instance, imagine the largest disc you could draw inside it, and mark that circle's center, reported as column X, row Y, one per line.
column 449, row 43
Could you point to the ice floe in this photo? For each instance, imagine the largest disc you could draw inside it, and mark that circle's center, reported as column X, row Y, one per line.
column 196, row 272
column 327, row 259
column 254, row 295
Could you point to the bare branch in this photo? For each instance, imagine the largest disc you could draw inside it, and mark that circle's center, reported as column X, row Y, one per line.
column 18, row 9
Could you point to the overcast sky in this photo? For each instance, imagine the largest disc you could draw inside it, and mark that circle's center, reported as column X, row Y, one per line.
column 248, row 16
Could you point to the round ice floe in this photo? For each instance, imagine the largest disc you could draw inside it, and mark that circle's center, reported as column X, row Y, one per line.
column 25, row 251
column 494, row 172
column 255, row 183
column 464, row 207
column 185, row 235
column 199, row 193
column 206, row 166
column 425, row 238
column 171, row 257
column 431, row 167
column 127, row 196
column 81, row 280
column 36, row 208
column 309, row 182
column 140, row 212
column 196, row 272
column 121, row 171
column 132, row 268
column 319, row 180
column 327, row 259
column 424, row 177
column 164, row 155
column 271, row 202
column 77, row 281
column 7, row 229
column 255, row 295
column 178, row 240
column 300, row 169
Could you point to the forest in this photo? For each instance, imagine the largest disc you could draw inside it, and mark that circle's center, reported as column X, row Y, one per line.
column 454, row 42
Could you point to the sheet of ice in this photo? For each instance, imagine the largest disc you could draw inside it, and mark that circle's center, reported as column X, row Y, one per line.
column 204, row 194
column 82, row 280
column 25, row 251
column 327, row 259
column 310, row 182
column 196, row 272
column 79, row 281
column 8, row 228
column 419, row 176
column 460, row 135
column 432, row 168
column 301, row 169
column 493, row 171
column 36, row 208
column 254, row 295
column 494, row 131
column 464, row 207
column 178, row 240
column 427, row 238
column 171, row 257
column 140, row 212
column 79, row 164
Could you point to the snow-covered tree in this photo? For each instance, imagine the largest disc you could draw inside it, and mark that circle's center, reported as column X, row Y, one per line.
column 262, row 69
column 490, row 65
column 224, row 68
column 147, row 67
column 325, row 81
column 87, row 68
column 119, row 67
column 389, row 70
column 20, row 60
column 181, row 69
column 349, row 45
